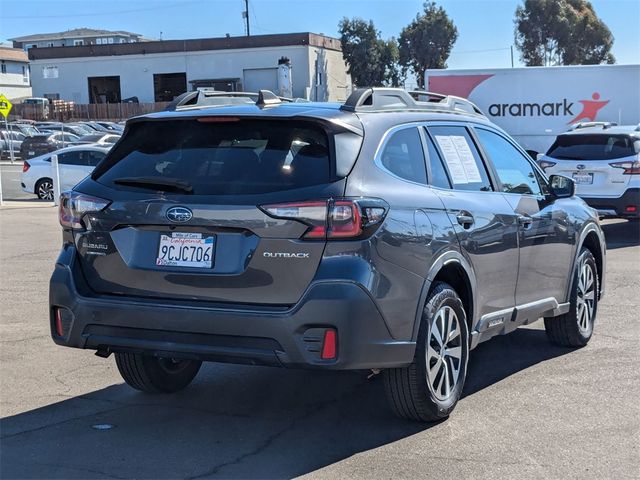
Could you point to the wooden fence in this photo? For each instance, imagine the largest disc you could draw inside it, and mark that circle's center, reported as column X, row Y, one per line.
column 91, row 111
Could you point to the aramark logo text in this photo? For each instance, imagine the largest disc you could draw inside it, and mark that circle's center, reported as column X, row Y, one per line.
column 590, row 109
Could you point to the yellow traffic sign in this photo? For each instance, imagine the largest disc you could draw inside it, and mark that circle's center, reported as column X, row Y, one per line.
column 5, row 106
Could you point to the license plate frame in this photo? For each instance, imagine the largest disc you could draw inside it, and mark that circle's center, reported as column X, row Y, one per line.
column 583, row 178
column 186, row 250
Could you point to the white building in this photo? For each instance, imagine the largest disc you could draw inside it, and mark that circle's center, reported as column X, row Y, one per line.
column 75, row 37
column 160, row 70
column 14, row 74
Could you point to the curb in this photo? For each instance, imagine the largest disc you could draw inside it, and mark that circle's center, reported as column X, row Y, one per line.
column 16, row 204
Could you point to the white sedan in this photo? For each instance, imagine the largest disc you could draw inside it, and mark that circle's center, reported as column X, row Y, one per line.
column 75, row 163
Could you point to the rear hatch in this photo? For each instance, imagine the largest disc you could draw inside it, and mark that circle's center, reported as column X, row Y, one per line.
column 595, row 162
column 36, row 145
column 187, row 217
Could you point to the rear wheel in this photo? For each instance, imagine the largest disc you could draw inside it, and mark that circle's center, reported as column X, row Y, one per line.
column 44, row 189
column 156, row 375
column 429, row 388
column 574, row 328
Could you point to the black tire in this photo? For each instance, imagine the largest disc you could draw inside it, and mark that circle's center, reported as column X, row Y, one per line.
column 571, row 329
column 409, row 391
column 156, row 375
column 42, row 186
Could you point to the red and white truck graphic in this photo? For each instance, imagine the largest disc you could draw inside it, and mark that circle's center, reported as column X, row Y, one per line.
column 534, row 104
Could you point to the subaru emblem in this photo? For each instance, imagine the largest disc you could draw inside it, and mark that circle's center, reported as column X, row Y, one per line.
column 179, row 214
column 580, row 166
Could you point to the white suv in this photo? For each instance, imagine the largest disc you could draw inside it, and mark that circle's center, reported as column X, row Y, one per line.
column 604, row 162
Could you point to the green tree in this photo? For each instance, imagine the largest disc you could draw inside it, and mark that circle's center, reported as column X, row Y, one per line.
column 371, row 61
column 427, row 41
column 561, row 32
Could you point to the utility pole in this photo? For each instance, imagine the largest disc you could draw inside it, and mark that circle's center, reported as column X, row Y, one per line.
column 245, row 14
column 511, row 56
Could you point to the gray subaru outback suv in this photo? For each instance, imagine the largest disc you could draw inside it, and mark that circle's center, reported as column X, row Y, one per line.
column 385, row 233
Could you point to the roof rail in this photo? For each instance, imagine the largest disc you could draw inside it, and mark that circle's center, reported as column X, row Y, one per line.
column 385, row 99
column 206, row 97
column 451, row 101
column 604, row 125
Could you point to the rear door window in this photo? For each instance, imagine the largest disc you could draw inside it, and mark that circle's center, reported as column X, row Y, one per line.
column 403, row 156
column 221, row 157
column 437, row 173
column 71, row 158
column 581, row 146
column 462, row 160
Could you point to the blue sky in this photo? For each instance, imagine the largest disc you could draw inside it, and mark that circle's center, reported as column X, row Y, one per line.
column 485, row 26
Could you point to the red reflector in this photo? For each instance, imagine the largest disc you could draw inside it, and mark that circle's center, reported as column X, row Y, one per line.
column 329, row 345
column 59, row 329
column 218, row 119
column 631, row 208
column 25, row 167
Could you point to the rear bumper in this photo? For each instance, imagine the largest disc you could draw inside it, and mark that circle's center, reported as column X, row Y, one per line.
column 617, row 207
column 290, row 337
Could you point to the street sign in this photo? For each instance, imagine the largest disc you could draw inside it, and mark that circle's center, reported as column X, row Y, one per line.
column 5, row 106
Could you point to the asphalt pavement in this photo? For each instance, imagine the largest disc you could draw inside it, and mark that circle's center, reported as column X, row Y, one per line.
column 530, row 410
column 11, row 189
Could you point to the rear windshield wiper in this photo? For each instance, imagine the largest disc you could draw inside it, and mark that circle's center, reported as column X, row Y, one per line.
column 156, row 183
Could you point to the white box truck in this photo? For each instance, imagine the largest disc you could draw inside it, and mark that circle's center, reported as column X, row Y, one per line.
column 534, row 104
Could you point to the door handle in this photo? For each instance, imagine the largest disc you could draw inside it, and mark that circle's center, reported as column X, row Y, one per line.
column 525, row 221
column 465, row 219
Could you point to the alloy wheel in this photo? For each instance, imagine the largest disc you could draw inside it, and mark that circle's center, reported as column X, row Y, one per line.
column 45, row 190
column 585, row 300
column 444, row 353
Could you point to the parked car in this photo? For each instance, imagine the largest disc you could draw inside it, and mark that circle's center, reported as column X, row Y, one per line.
column 27, row 129
column 97, row 127
column 10, row 140
column 45, row 143
column 397, row 237
column 604, row 162
column 112, row 126
column 101, row 138
column 74, row 164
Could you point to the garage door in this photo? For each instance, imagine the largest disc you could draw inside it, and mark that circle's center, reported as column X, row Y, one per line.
column 261, row 79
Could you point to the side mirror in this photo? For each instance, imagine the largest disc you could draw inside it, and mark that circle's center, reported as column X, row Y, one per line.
column 561, row 186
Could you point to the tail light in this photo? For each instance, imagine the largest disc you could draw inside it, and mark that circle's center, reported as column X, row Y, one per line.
column 340, row 218
column 630, row 167
column 74, row 206
column 25, row 166
column 544, row 164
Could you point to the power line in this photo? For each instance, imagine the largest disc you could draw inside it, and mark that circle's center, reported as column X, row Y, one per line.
column 96, row 14
column 480, row 51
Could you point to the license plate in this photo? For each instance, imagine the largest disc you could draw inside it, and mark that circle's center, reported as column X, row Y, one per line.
column 583, row 178
column 185, row 250
column 32, row 153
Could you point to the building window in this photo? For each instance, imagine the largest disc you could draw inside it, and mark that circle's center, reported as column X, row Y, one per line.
column 25, row 74
column 110, row 39
column 3, row 68
column 78, row 42
column 123, row 40
column 50, row 44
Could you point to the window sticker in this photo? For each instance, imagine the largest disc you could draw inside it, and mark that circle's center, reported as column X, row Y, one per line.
column 451, row 157
column 466, row 157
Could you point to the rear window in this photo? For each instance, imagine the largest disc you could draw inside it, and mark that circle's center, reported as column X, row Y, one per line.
column 593, row 147
column 222, row 158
